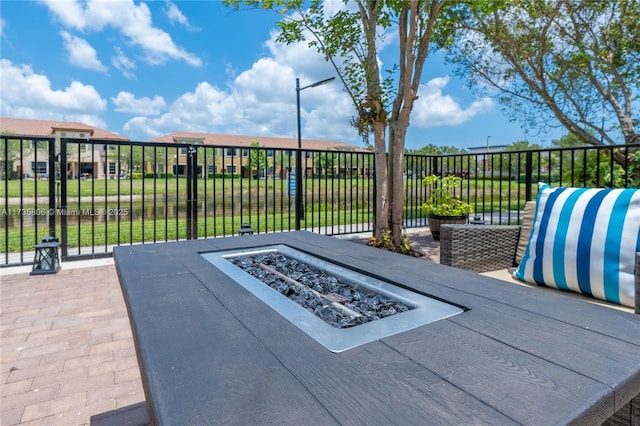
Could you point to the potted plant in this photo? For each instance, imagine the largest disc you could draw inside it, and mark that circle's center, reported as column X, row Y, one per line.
column 443, row 206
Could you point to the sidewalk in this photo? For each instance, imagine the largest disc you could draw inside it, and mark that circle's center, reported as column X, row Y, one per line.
column 67, row 355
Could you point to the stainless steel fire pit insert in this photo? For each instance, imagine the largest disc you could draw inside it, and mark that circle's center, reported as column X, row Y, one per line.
column 424, row 309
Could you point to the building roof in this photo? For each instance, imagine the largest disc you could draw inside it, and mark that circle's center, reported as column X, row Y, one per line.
column 490, row 148
column 47, row 128
column 264, row 141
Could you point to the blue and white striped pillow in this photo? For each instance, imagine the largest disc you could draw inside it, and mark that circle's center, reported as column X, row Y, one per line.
column 585, row 240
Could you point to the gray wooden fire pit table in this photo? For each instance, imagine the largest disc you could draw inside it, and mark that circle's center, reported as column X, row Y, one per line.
column 211, row 352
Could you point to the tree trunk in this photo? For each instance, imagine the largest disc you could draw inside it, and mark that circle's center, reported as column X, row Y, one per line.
column 397, row 131
column 381, row 225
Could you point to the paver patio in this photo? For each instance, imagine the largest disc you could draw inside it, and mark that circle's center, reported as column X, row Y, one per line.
column 67, row 354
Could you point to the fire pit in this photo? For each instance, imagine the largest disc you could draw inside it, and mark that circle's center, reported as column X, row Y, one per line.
column 336, row 306
column 209, row 349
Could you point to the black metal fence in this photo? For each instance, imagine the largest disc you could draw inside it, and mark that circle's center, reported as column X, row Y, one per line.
column 96, row 194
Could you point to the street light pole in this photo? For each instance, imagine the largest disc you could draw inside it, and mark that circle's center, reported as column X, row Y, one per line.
column 299, row 195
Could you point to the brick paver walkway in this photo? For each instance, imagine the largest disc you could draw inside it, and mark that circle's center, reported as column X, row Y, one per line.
column 67, row 352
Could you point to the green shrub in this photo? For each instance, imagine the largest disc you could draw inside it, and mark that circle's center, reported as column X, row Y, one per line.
column 225, row 175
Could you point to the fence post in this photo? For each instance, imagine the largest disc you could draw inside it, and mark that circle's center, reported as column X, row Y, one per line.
column 299, row 201
column 189, row 176
column 528, row 175
column 192, row 193
column 64, row 243
column 52, row 187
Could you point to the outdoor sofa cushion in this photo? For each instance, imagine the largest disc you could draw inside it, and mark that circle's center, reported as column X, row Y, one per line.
column 584, row 240
column 525, row 229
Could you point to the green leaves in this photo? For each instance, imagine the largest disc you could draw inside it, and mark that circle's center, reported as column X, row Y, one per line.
column 443, row 200
column 566, row 62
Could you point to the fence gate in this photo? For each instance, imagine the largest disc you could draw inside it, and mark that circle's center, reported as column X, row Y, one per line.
column 121, row 192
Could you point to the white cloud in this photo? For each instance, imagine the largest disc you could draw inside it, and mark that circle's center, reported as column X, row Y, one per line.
column 259, row 101
column 26, row 94
column 122, row 63
column 128, row 103
column 134, row 21
column 175, row 15
column 305, row 61
column 267, row 80
column 71, row 14
column 142, row 128
column 81, row 53
column 203, row 110
column 434, row 109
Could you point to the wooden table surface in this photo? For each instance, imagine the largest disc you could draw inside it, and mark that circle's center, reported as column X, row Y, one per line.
column 210, row 352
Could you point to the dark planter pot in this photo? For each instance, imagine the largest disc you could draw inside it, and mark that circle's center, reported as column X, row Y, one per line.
column 435, row 221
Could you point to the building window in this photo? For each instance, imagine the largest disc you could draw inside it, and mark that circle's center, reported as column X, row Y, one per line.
column 231, row 152
column 270, row 153
column 112, row 168
column 40, row 167
column 179, row 169
column 308, row 155
column 213, row 168
column 231, row 168
column 183, row 151
column 245, row 152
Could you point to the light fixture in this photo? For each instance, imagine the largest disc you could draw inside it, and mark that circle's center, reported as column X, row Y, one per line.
column 298, row 176
column 245, row 229
column 46, row 259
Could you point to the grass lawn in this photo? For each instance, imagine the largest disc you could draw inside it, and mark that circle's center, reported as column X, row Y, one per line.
column 125, row 230
column 169, row 186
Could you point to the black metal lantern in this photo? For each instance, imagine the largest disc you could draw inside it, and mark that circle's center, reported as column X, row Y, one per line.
column 46, row 259
column 245, row 229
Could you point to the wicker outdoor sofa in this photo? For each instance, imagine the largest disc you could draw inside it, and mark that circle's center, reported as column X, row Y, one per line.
column 491, row 249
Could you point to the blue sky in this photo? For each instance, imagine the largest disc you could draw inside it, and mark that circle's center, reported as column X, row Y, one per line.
column 145, row 69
